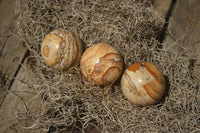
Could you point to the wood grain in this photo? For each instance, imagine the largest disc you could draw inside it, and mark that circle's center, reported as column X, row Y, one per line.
column 161, row 7
column 12, row 50
column 184, row 29
column 21, row 97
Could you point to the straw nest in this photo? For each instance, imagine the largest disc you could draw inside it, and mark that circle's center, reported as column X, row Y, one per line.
column 70, row 103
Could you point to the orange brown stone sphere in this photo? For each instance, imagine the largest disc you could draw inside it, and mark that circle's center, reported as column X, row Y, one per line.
column 143, row 83
column 61, row 49
column 102, row 64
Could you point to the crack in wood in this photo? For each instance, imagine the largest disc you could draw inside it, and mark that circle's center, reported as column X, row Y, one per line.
column 18, row 68
column 167, row 17
column 4, row 44
column 15, row 74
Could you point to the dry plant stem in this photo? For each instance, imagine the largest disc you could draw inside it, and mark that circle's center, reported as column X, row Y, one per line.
column 70, row 102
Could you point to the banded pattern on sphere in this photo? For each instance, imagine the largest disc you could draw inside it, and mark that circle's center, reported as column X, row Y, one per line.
column 102, row 64
column 143, row 83
column 61, row 49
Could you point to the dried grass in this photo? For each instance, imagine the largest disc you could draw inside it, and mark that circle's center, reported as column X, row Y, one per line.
column 70, row 102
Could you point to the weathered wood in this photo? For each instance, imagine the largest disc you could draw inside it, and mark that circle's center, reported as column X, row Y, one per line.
column 7, row 16
column 21, row 97
column 12, row 50
column 161, row 7
column 184, row 29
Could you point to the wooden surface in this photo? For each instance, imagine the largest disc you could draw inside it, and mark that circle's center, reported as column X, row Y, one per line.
column 12, row 53
column 184, row 29
column 185, row 22
column 21, row 97
column 12, row 50
column 184, row 26
column 161, row 7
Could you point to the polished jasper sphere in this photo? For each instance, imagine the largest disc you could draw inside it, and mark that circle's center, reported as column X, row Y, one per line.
column 101, row 64
column 61, row 49
column 143, row 83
